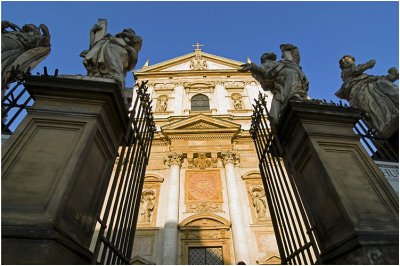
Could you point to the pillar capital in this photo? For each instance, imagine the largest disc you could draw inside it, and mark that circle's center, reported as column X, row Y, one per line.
column 173, row 158
column 230, row 157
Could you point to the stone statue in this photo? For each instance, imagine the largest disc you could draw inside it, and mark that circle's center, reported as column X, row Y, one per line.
column 377, row 96
column 285, row 79
column 22, row 49
column 111, row 56
column 147, row 201
column 259, row 202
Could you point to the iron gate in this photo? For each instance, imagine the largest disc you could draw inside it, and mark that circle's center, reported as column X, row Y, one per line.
column 294, row 230
column 119, row 214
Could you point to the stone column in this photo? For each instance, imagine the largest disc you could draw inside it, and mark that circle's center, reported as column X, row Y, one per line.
column 56, row 167
column 170, row 241
column 354, row 210
column 240, row 245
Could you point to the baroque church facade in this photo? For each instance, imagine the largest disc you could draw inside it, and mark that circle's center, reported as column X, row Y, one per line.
column 203, row 200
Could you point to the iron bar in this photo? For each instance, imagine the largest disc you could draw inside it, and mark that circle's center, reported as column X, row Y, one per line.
column 120, row 209
column 292, row 227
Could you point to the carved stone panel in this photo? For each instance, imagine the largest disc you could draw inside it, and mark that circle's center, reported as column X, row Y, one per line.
column 203, row 191
column 237, row 101
column 258, row 201
column 202, row 160
column 149, row 203
column 162, row 103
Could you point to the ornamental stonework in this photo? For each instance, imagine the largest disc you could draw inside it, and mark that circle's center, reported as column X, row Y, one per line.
column 198, row 63
column 203, row 191
column 173, row 158
column 202, row 160
column 205, row 234
column 204, row 207
column 230, row 157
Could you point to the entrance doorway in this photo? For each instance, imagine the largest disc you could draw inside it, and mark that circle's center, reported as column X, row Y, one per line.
column 205, row 256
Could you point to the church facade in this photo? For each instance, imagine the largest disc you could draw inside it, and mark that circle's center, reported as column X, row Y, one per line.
column 203, row 200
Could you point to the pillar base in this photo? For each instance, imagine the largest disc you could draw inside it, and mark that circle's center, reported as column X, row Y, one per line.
column 56, row 168
column 350, row 203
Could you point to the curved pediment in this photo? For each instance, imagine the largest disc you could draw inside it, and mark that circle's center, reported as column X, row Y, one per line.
column 204, row 221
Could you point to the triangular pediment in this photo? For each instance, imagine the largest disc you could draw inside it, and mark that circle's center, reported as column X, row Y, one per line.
column 195, row 61
column 200, row 124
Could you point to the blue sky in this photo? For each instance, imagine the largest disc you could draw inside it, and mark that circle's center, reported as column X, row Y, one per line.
column 324, row 32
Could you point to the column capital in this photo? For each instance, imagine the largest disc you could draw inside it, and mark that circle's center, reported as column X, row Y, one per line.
column 230, row 157
column 173, row 158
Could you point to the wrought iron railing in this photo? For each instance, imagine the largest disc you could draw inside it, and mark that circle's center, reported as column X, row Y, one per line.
column 119, row 215
column 15, row 100
column 378, row 148
column 294, row 230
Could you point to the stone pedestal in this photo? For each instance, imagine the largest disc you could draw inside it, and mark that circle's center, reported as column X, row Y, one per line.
column 55, row 169
column 353, row 207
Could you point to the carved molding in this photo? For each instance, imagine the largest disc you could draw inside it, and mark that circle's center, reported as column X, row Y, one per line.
column 230, row 157
column 204, row 207
column 205, row 234
column 173, row 158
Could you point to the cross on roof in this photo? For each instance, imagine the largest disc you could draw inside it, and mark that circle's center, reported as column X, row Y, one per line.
column 197, row 46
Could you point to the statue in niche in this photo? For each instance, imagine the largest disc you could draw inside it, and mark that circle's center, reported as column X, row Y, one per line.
column 22, row 49
column 147, row 202
column 111, row 56
column 237, row 101
column 259, row 202
column 377, row 96
column 162, row 103
column 285, row 79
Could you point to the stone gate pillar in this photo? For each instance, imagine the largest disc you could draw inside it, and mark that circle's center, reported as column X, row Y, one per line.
column 170, row 241
column 238, row 226
column 55, row 169
column 351, row 204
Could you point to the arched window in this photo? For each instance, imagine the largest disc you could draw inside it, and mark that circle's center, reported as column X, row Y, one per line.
column 200, row 102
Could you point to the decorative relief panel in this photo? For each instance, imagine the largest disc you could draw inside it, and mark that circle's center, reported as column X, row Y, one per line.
column 198, row 63
column 202, row 160
column 205, row 234
column 258, row 201
column 237, row 101
column 203, row 191
column 162, row 103
column 149, row 202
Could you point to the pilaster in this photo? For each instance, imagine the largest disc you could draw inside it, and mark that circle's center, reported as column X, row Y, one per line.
column 240, row 244
column 170, row 241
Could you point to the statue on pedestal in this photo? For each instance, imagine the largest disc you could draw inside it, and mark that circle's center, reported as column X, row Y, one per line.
column 285, row 79
column 377, row 96
column 111, row 56
column 22, row 49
